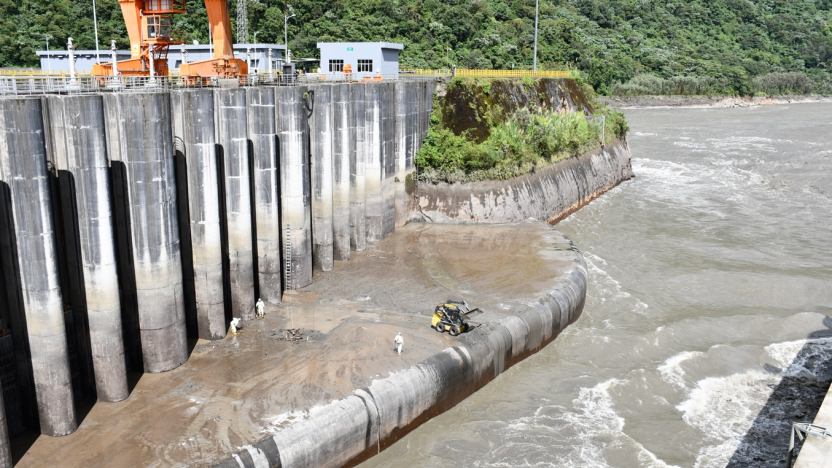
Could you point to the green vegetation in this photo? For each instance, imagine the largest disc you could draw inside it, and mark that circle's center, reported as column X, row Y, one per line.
column 722, row 46
column 530, row 138
column 770, row 83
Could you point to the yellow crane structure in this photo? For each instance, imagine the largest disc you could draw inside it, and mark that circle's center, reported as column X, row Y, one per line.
column 149, row 26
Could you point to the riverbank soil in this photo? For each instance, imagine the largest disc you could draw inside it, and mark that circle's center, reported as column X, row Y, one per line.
column 238, row 390
column 636, row 102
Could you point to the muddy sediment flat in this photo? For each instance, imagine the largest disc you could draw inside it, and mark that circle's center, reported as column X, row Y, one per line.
column 238, row 390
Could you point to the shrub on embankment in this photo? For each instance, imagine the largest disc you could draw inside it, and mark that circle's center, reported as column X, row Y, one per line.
column 500, row 129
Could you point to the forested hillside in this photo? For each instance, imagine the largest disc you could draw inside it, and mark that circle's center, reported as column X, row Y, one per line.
column 721, row 46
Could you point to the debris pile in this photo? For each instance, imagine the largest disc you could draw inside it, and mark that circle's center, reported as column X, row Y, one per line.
column 296, row 334
column 289, row 334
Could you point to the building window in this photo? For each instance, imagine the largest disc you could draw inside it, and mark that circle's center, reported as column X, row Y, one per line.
column 336, row 66
column 157, row 5
column 164, row 5
column 158, row 27
column 365, row 66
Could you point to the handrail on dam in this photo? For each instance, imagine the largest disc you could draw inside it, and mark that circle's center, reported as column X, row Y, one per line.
column 30, row 85
column 478, row 73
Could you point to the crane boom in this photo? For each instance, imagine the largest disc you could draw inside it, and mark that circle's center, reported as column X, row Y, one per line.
column 223, row 64
column 148, row 25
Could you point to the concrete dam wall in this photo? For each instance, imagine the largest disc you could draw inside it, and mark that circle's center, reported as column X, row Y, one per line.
column 133, row 222
column 549, row 194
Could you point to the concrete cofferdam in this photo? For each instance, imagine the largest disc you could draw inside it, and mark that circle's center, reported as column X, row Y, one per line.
column 131, row 222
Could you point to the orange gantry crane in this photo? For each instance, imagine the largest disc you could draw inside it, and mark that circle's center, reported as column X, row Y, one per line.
column 149, row 26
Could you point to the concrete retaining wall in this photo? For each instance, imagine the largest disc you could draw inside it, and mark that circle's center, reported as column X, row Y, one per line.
column 357, row 427
column 79, row 152
column 232, row 136
column 295, row 193
column 358, row 160
column 5, row 449
column 374, row 163
column 23, row 170
column 343, row 145
column 193, row 126
column 263, row 135
column 321, row 135
column 549, row 194
column 388, row 158
column 174, row 208
column 138, row 129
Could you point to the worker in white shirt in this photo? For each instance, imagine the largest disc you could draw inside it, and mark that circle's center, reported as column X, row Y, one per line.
column 260, row 308
column 399, row 342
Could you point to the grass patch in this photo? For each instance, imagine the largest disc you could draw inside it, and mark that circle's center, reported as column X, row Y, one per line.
column 530, row 139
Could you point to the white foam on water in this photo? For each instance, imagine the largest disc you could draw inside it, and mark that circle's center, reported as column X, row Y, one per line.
column 795, row 363
column 598, row 426
column 724, row 408
column 595, row 420
column 691, row 145
column 672, row 371
column 607, row 286
column 714, row 186
column 743, row 143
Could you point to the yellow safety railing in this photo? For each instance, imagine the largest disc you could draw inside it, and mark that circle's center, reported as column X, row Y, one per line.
column 471, row 73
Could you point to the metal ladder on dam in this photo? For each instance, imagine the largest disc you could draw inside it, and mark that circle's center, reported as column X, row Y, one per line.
column 288, row 256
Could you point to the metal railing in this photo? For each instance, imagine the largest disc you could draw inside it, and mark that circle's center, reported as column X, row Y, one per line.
column 28, row 83
column 476, row 73
column 31, row 85
column 363, row 77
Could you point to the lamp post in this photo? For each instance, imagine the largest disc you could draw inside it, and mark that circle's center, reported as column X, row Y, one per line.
column 536, row 5
column 95, row 24
column 255, row 48
column 48, row 55
column 286, row 30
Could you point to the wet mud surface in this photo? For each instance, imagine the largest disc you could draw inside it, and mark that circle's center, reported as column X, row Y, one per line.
column 238, row 390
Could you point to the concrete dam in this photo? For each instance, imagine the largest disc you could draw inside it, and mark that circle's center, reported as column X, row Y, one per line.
column 131, row 222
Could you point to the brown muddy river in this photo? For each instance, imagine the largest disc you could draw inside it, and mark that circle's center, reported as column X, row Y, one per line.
column 706, row 331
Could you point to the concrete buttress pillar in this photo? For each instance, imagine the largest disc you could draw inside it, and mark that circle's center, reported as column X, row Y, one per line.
column 232, row 135
column 373, row 167
column 263, row 136
column 295, row 191
column 23, row 168
column 388, row 187
column 139, row 138
column 5, row 449
column 321, row 133
column 342, row 147
column 428, row 88
column 419, row 109
column 402, row 130
column 358, row 221
column 412, row 123
column 193, row 128
column 79, row 149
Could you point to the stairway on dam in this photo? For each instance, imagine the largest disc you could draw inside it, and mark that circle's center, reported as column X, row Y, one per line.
column 131, row 222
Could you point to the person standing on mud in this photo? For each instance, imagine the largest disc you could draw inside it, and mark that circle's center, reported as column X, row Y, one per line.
column 399, row 342
column 260, row 307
